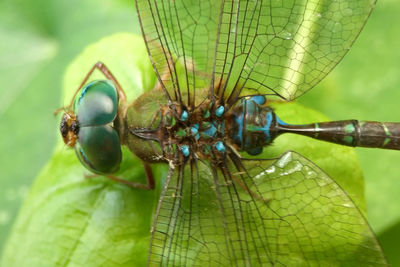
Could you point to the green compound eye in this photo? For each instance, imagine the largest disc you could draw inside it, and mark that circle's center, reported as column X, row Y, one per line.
column 98, row 149
column 96, row 103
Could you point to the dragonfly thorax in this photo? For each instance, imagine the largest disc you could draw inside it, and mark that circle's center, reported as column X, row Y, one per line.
column 182, row 133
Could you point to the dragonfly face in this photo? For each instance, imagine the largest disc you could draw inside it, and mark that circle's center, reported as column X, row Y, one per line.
column 87, row 127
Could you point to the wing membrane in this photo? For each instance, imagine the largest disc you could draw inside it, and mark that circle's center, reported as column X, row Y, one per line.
column 286, row 212
column 238, row 47
column 180, row 37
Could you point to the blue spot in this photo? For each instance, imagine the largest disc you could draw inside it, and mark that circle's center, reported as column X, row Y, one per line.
column 239, row 134
column 197, row 136
column 184, row 115
column 194, row 130
column 185, row 150
column 220, row 110
column 196, row 125
column 267, row 126
column 259, row 99
column 211, row 130
column 220, row 147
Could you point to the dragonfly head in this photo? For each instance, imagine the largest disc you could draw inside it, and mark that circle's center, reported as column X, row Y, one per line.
column 69, row 128
column 88, row 126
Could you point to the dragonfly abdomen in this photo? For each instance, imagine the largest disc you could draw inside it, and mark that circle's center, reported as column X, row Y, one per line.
column 350, row 133
column 256, row 126
column 380, row 134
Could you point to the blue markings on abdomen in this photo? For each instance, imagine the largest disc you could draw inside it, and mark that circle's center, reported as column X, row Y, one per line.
column 255, row 126
column 238, row 135
column 259, row 99
column 267, row 127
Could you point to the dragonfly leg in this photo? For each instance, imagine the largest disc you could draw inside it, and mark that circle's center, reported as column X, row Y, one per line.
column 149, row 185
column 107, row 73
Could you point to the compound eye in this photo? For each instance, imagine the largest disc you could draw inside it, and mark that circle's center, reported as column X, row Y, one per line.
column 98, row 148
column 96, row 103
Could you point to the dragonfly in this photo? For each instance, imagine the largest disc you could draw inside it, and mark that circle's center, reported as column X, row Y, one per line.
column 219, row 65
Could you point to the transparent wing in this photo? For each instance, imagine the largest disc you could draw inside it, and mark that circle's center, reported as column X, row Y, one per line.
column 242, row 47
column 284, row 212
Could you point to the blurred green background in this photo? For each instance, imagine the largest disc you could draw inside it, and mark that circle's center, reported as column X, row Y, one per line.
column 38, row 40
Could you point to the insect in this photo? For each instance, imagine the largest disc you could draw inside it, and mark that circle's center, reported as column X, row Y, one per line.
column 218, row 65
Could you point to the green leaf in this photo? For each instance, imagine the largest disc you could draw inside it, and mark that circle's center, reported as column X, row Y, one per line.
column 67, row 219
